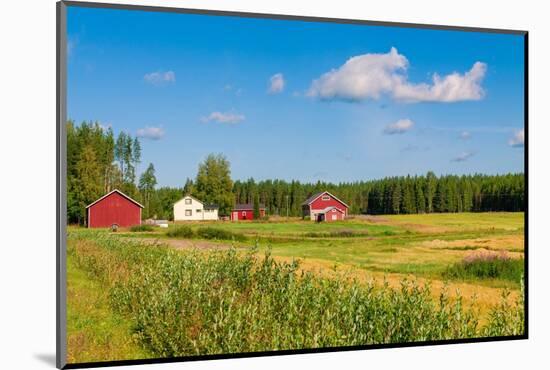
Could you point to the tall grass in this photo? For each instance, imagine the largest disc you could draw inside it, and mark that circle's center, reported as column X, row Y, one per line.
column 141, row 228
column 184, row 303
column 208, row 232
column 182, row 231
column 487, row 266
column 343, row 233
column 219, row 234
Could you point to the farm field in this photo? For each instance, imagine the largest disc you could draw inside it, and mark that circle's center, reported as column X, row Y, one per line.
column 421, row 245
column 432, row 252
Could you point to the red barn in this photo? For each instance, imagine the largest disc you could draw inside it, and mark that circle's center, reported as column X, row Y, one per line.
column 114, row 208
column 324, row 206
column 245, row 212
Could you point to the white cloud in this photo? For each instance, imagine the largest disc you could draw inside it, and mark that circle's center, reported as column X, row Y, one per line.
column 518, row 140
column 276, row 83
column 464, row 156
column 369, row 76
column 223, row 117
column 399, row 127
column 465, row 135
column 233, row 89
column 152, row 133
column 160, row 77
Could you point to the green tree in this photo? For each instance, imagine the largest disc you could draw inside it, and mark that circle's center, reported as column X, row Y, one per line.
column 88, row 185
column 396, row 198
column 213, row 183
column 431, row 185
column 189, row 187
column 256, row 210
column 147, row 183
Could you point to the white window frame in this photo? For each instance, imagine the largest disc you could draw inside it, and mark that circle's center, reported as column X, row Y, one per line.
column 325, row 198
column 188, row 212
column 188, row 201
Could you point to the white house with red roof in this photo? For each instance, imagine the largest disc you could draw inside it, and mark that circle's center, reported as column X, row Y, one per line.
column 324, row 206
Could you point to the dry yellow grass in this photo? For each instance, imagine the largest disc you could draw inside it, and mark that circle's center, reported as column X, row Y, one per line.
column 481, row 297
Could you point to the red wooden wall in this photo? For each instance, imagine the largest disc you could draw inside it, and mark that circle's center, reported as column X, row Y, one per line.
column 333, row 212
column 114, row 209
column 319, row 203
column 247, row 214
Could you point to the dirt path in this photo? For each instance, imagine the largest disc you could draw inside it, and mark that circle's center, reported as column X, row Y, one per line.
column 186, row 243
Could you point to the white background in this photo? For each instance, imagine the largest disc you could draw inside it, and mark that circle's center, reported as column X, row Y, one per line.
column 27, row 181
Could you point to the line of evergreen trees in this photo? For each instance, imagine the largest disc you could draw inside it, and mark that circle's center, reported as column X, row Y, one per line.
column 394, row 195
column 98, row 163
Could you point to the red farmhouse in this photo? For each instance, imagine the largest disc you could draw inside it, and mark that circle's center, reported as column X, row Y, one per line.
column 114, row 208
column 324, row 206
column 245, row 212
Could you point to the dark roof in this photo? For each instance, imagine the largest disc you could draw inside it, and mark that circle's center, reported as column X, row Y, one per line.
column 115, row 191
column 246, row 207
column 210, row 206
column 312, row 198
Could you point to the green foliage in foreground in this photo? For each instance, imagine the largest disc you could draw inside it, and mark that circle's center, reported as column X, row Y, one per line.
column 208, row 232
column 182, row 231
column 487, row 266
column 94, row 332
column 141, row 228
column 223, row 302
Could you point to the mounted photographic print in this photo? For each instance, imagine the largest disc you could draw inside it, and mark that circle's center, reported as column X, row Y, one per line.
column 235, row 184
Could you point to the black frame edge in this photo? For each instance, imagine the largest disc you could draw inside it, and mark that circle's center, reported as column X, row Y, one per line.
column 526, row 180
column 150, row 361
column 167, row 9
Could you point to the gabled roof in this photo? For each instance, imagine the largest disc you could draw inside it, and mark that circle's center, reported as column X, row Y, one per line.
column 204, row 205
column 328, row 209
column 246, row 207
column 115, row 191
column 312, row 198
column 190, row 196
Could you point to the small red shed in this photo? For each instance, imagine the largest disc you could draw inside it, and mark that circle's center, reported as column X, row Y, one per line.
column 324, row 206
column 245, row 212
column 114, row 208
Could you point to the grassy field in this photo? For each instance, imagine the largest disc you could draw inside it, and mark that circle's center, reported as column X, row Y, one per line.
column 473, row 260
column 95, row 332
column 422, row 245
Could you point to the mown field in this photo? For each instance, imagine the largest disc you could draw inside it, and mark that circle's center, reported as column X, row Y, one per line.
column 222, row 287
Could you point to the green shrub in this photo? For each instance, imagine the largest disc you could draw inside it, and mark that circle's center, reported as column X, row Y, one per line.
column 487, row 266
column 211, row 302
column 140, row 228
column 219, row 234
column 181, row 231
column 342, row 233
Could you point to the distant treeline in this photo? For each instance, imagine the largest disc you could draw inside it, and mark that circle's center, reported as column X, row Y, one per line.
column 395, row 195
column 97, row 162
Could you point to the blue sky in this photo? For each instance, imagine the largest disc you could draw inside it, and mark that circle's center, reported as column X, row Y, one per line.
column 298, row 100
